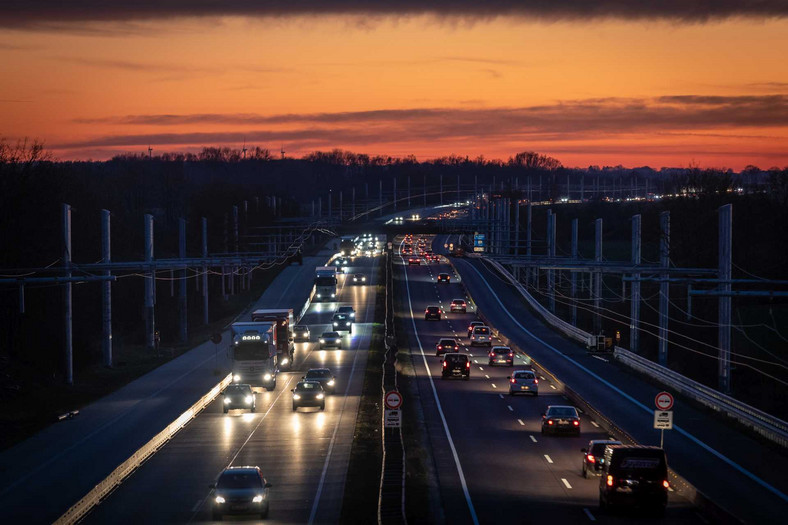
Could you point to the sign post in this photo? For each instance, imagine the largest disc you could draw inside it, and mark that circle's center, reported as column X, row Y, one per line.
column 663, row 415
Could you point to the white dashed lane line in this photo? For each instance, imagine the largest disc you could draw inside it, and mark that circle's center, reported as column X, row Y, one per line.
column 594, row 423
column 589, row 515
column 486, row 376
column 532, row 438
column 493, row 385
column 521, row 422
column 549, row 460
column 566, row 483
column 510, row 408
column 551, row 386
column 500, row 395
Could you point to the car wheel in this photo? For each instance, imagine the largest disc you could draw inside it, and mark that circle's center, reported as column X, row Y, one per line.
column 323, row 406
column 264, row 513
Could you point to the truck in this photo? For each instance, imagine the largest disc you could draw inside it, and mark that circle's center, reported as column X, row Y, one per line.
column 253, row 354
column 283, row 340
column 325, row 283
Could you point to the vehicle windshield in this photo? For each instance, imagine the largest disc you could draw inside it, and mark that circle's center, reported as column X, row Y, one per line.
column 340, row 317
column 345, row 309
column 308, row 387
column 599, row 448
column 483, row 330
column 458, row 301
column 562, row 412
column 239, row 480
column 300, row 329
column 251, row 351
column 325, row 281
column 238, row 390
column 444, row 275
column 330, row 335
column 524, row 375
column 318, row 373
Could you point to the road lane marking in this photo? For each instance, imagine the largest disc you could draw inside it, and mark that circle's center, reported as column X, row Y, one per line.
column 566, row 483
column 465, row 491
column 594, row 423
column 521, row 422
column 551, row 386
column 197, row 505
column 589, row 515
column 549, row 460
column 500, row 395
column 510, row 408
column 533, row 439
column 600, row 358
column 631, row 399
column 486, row 376
column 493, row 384
column 480, row 368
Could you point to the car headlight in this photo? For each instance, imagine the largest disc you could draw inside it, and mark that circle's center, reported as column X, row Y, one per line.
column 257, row 499
column 322, row 340
column 248, row 399
column 285, row 361
column 363, row 279
column 267, row 377
column 219, row 499
column 353, row 316
column 320, row 396
column 296, row 396
column 236, row 377
column 227, row 400
column 336, row 324
column 333, row 295
column 319, row 296
column 331, row 383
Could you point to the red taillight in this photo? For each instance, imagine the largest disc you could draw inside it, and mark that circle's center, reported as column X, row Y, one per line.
column 512, row 380
column 511, row 354
column 549, row 421
column 440, row 347
column 444, row 364
column 467, row 364
column 426, row 311
column 666, row 484
column 536, row 381
column 609, row 481
column 576, row 423
column 591, row 459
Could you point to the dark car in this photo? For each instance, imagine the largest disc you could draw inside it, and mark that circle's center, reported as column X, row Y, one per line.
column 301, row 333
column 359, row 278
column 330, row 339
column 458, row 305
column 594, row 456
column 444, row 346
column 413, row 260
column 501, row 355
column 342, row 322
column 432, row 312
column 634, row 476
column 308, row 394
column 347, row 310
column 456, row 365
column 472, row 325
column 561, row 418
column 240, row 490
column 322, row 376
column 444, row 278
column 239, row 396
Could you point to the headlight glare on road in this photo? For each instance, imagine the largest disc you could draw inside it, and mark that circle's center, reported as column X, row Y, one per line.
column 219, row 499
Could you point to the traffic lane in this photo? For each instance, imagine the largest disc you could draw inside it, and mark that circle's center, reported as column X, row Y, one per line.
column 272, row 423
column 727, row 485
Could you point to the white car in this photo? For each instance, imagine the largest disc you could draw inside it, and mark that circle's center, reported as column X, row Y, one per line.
column 523, row 382
column 481, row 335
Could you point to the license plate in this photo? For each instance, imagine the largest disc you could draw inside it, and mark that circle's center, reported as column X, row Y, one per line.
column 456, row 372
column 524, row 387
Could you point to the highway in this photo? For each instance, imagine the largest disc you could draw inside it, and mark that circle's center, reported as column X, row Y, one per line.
column 491, row 458
column 304, row 454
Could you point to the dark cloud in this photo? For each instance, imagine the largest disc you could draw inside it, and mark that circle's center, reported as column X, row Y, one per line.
column 51, row 13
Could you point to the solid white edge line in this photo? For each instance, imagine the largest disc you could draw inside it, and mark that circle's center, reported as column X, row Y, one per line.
column 634, row 401
column 440, row 408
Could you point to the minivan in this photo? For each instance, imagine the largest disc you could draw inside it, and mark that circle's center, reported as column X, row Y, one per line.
column 634, row 475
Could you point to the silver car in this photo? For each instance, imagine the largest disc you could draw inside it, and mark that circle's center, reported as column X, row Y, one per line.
column 301, row 333
column 523, row 381
column 481, row 336
column 332, row 339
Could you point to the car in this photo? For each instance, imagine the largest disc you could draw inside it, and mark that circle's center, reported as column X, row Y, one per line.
column 501, row 355
column 444, row 278
column 594, row 456
column 301, row 333
column 434, row 257
column 413, row 260
column 456, row 365
column 240, row 490
column 561, row 418
column 433, row 312
column 239, row 395
column 322, row 376
column 634, row 475
column 459, row 305
column 481, row 336
column 446, row 345
column 523, row 381
column 308, row 394
column 342, row 261
column 330, row 339
column 347, row 310
column 359, row 278
column 472, row 325
column 342, row 322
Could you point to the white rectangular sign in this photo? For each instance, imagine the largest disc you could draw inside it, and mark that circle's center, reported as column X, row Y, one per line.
column 392, row 419
column 663, row 419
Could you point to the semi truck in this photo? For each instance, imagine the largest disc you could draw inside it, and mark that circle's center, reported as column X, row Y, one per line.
column 253, row 354
column 325, row 283
column 283, row 340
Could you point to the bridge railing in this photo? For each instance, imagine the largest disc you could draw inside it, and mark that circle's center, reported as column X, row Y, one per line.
column 766, row 425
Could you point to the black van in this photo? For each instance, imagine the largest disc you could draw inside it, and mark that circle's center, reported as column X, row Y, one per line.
column 634, row 475
column 456, row 365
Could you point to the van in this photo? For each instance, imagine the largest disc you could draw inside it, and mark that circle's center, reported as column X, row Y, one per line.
column 634, row 475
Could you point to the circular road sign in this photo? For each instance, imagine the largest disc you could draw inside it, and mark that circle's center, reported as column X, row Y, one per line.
column 393, row 400
column 216, row 338
column 664, row 401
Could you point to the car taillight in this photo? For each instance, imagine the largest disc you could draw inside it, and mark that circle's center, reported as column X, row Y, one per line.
column 591, row 459
column 536, row 381
column 511, row 354
column 467, row 364
column 549, row 421
column 609, row 481
column 576, row 423
column 666, row 484
column 444, row 364
column 440, row 347
column 512, row 380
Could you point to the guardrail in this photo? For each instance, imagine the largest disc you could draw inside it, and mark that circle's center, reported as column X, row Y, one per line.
column 83, row 506
column 766, row 425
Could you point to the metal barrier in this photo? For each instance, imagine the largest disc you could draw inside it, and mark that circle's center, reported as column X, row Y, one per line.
column 766, row 425
column 83, row 506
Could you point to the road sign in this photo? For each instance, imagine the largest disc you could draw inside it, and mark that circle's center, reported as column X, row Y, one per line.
column 392, row 419
column 393, row 400
column 664, row 401
column 479, row 242
column 663, row 419
column 216, row 338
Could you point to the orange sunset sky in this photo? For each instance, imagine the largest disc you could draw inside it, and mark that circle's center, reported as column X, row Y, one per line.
column 660, row 84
